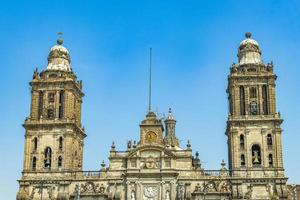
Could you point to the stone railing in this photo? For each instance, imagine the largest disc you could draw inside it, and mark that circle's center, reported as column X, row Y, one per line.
column 264, row 173
column 254, row 117
column 242, row 173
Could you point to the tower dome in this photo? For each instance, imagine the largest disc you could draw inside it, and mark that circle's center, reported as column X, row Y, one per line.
column 249, row 52
column 59, row 57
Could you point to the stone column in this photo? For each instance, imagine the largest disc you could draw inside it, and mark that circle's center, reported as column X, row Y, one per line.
column 271, row 98
column 248, row 158
column 173, row 189
column 247, row 99
column 236, row 100
column 234, row 148
column 138, row 190
column 128, row 192
column 56, row 104
column 264, row 149
column 278, row 144
column 27, row 158
column 162, row 190
column 34, row 104
column 260, row 100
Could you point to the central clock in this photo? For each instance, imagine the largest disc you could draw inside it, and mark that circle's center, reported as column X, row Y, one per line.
column 151, row 137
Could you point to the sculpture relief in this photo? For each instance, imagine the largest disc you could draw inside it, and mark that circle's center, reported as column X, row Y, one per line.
column 150, row 193
column 168, row 195
column 132, row 196
column 150, row 162
column 181, row 191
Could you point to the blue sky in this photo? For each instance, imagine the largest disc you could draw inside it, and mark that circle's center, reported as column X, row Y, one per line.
column 194, row 44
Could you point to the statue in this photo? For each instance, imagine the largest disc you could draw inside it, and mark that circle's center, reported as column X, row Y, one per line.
column 132, row 197
column 168, row 195
column 77, row 192
column 35, row 74
column 181, row 192
column 248, row 194
column 129, row 144
column 253, row 108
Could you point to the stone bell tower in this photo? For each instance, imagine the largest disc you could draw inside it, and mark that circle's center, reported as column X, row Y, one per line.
column 54, row 134
column 253, row 126
column 170, row 138
column 151, row 130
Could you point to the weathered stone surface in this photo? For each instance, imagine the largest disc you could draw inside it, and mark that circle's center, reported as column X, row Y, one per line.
column 156, row 167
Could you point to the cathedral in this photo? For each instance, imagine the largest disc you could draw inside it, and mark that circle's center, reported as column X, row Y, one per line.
column 157, row 167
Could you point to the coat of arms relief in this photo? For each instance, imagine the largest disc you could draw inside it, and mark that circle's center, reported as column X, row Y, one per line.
column 150, row 193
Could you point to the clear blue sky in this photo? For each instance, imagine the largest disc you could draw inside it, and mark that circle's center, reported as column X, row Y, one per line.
column 194, row 44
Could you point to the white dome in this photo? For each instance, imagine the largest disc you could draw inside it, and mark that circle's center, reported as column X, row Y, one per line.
column 249, row 41
column 59, row 57
column 249, row 52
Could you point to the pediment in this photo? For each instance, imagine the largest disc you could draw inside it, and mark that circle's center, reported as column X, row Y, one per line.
column 151, row 151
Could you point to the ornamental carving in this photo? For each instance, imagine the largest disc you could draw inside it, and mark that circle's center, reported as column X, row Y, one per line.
column 57, row 53
column 181, row 191
column 150, row 193
column 150, row 162
column 91, row 187
column 210, row 187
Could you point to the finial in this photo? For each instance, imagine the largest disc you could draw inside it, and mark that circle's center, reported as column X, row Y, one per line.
column 113, row 146
column 188, row 145
column 129, row 143
column 59, row 40
column 223, row 163
column 170, row 115
column 103, row 164
column 248, row 35
column 197, row 154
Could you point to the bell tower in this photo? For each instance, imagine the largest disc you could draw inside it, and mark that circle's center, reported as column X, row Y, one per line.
column 253, row 126
column 170, row 138
column 54, row 135
column 151, row 130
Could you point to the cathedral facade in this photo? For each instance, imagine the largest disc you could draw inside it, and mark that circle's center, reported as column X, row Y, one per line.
column 156, row 167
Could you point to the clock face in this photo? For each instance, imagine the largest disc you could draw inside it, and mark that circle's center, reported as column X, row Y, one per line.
column 151, row 137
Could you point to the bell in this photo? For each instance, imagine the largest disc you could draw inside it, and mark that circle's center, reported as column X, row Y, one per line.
column 256, row 158
column 47, row 163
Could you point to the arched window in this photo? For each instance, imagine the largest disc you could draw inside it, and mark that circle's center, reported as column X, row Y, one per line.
column 253, row 93
column 269, row 140
column 265, row 100
column 40, row 107
column 34, row 163
column 270, row 160
column 59, row 162
column 256, row 155
column 242, row 141
column 242, row 101
column 243, row 162
column 48, row 158
column 35, row 144
column 61, row 104
column 60, row 145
